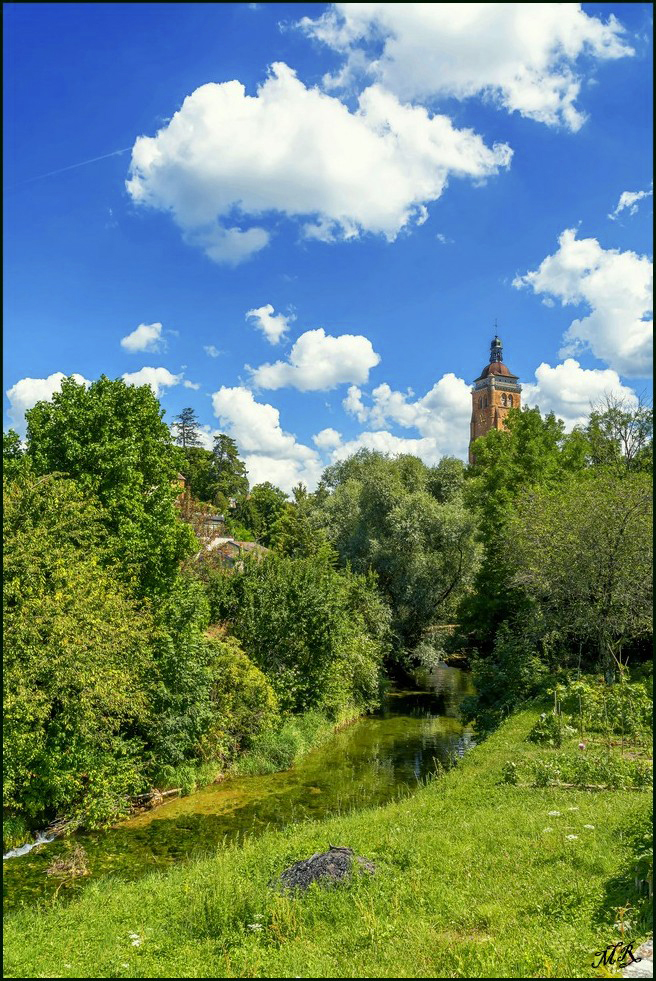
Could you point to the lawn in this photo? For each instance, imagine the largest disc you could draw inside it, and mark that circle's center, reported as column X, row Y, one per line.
column 475, row 878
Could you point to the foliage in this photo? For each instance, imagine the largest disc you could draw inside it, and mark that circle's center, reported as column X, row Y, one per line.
column 110, row 438
column 587, row 770
column 298, row 531
column 13, row 454
column 260, row 511
column 512, row 674
column 242, row 701
column 318, row 634
column 550, row 730
column 407, row 523
column 583, row 552
column 187, row 429
column 76, row 655
column 198, row 470
column 619, row 435
column 228, row 471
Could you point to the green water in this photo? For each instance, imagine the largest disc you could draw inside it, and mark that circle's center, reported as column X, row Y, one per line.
column 370, row 763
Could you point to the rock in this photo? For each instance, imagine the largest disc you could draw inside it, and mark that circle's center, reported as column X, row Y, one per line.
column 328, row 868
column 643, row 968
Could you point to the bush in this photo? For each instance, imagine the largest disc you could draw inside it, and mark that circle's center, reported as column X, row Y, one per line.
column 550, row 730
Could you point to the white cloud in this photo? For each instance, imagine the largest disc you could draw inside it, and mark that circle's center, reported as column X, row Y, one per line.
column 354, row 405
column 426, row 448
column 28, row 391
column 211, row 351
column 617, row 288
column 319, row 362
column 629, row 199
column 522, row 56
column 145, row 337
column 190, row 384
column 157, row 378
column 327, row 439
column 268, row 452
column 442, row 415
column 570, row 391
column 273, row 326
column 227, row 158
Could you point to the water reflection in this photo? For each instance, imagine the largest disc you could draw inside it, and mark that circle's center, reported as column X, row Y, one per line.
column 367, row 764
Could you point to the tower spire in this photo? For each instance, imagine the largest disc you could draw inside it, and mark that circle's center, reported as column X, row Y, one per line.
column 496, row 349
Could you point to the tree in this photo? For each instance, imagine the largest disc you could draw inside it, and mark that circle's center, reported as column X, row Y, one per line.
column 111, row 439
column 228, row 470
column 76, row 656
column 584, row 553
column 260, row 511
column 13, row 454
column 383, row 516
column 531, row 451
column 620, row 434
column 199, row 473
column 187, row 429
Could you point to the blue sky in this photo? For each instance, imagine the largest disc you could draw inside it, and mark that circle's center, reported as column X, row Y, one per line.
column 378, row 183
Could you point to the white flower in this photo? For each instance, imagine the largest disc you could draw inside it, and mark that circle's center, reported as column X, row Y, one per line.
column 590, row 827
column 572, row 837
column 544, row 830
column 254, row 926
column 554, row 814
column 137, row 942
column 572, row 808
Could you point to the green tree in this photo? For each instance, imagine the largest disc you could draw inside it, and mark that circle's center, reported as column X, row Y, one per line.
column 298, row 531
column 584, row 553
column 620, row 435
column 260, row 510
column 111, row 439
column 228, row 471
column 13, row 454
column 187, row 429
column 199, row 471
column 532, row 451
column 76, row 655
column 386, row 514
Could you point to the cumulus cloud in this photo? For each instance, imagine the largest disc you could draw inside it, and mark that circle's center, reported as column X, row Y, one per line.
column 442, row 415
column 327, row 439
column 190, row 384
column 226, row 160
column 273, row 325
column 269, row 453
column 145, row 337
column 157, row 378
column 426, row 448
column 616, row 286
column 570, row 391
column 28, row 391
column 522, row 56
column 320, row 362
column 629, row 199
column 211, row 351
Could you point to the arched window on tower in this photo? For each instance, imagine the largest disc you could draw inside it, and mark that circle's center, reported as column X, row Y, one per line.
column 510, row 401
column 480, row 402
column 504, row 401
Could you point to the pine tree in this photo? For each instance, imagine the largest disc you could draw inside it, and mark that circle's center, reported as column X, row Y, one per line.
column 187, row 429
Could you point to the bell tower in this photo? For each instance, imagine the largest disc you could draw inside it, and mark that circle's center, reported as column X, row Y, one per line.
column 494, row 393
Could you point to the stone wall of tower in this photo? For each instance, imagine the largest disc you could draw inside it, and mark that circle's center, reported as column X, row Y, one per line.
column 490, row 405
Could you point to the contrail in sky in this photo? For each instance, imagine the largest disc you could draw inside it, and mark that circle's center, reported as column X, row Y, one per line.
column 61, row 170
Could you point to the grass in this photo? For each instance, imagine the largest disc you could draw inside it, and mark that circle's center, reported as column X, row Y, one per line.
column 468, row 884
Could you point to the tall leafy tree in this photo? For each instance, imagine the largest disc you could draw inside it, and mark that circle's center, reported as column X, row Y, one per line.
column 228, row 470
column 112, row 440
column 187, row 429
column 77, row 651
column 260, row 511
column 583, row 552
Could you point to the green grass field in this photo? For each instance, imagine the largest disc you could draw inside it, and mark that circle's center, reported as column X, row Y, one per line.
column 469, row 884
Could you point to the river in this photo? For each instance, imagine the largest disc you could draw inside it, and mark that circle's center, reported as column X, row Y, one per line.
column 370, row 763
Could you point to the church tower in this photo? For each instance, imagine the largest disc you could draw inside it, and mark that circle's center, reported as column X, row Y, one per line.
column 495, row 391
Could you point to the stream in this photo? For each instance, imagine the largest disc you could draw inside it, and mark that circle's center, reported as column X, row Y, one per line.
column 370, row 763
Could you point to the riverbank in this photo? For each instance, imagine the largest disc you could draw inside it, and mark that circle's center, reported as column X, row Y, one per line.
column 468, row 884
